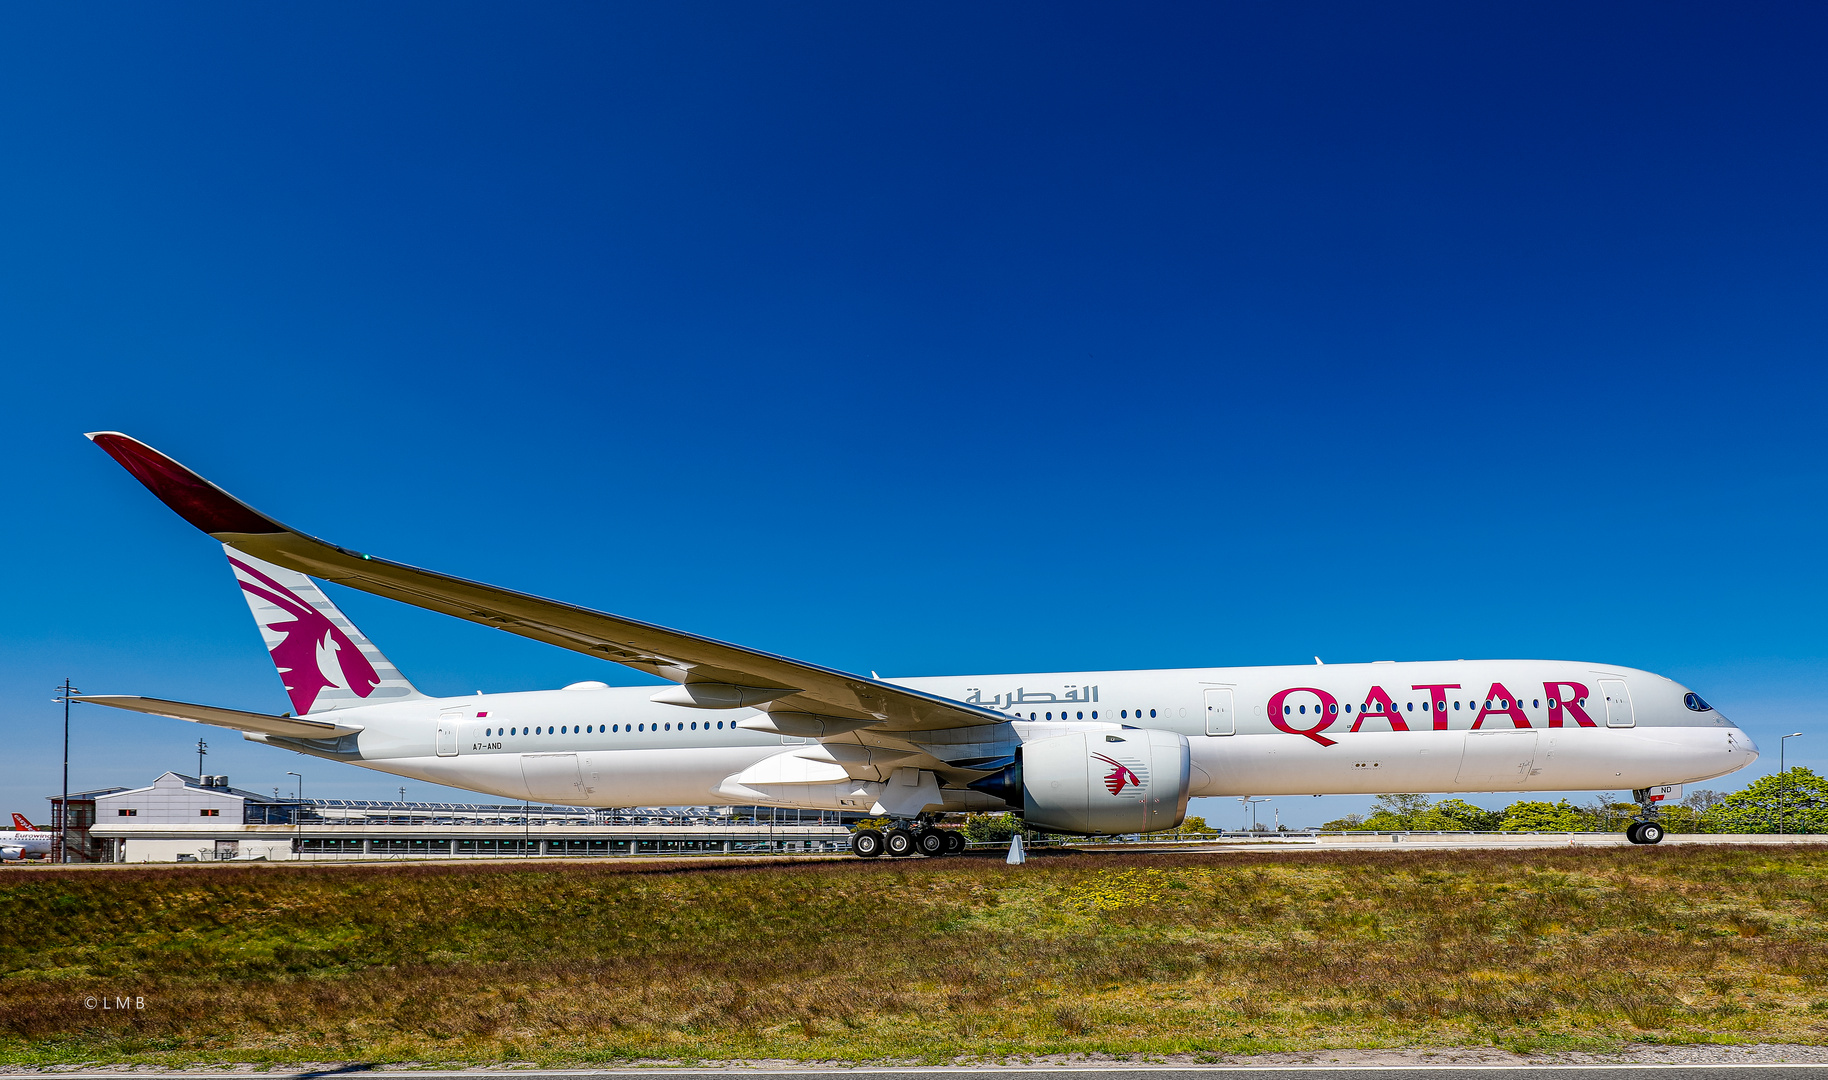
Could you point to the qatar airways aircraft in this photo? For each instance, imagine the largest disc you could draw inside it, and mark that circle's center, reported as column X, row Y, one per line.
column 1088, row 752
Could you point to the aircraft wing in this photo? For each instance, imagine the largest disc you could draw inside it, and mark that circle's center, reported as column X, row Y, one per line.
column 708, row 670
column 293, row 727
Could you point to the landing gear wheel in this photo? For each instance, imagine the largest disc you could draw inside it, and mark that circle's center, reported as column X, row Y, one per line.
column 866, row 843
column 955, row 843
column 1649, row 832
column 931, row 842
column 1631, row 832
column 899, row 842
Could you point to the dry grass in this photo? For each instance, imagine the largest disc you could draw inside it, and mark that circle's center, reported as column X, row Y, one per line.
column 923, row 960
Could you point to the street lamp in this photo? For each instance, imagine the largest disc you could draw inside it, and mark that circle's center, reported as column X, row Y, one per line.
column 1783, row 810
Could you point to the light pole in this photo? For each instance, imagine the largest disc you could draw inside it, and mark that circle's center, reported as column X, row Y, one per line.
column 298, row 811
column 1783, row 809
column 63, row 807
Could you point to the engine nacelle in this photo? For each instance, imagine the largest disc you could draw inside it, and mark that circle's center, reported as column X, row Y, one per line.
column 1099, row 784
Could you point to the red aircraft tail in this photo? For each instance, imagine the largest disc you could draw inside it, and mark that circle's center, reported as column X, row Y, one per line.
column 23, row 825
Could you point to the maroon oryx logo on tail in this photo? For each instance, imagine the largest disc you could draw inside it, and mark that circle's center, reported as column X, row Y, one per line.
column 304, row 655
column 1119, row 776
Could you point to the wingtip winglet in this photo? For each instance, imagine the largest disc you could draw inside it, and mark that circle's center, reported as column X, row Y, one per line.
column 195, row 499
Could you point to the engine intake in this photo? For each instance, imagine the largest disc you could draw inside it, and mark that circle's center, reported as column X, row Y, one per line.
column 1098, row 784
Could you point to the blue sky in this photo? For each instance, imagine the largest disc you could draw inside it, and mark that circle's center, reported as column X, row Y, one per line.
column 949, row 338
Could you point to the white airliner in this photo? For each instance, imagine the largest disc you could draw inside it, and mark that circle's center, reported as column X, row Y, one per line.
column 25, row 839
column 1087, row 752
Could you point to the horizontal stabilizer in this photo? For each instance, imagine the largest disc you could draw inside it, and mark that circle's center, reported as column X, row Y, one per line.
column 291, row 727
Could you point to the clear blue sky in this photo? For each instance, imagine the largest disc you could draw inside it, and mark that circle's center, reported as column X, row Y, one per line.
column 924, row 339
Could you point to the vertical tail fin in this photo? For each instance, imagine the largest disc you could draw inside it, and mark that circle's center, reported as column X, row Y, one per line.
column 325, row 662
column 22, row 825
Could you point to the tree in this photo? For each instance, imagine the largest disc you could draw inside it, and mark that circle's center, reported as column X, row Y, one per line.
column 1683, row 818
column 991, row 828
column 1458, row 815
column 1350, row 821
column 1401, row 807
column 1607, row 814
column 1196, row 825
column 1792, row 801
column 1563, row 816
column 1703, row 799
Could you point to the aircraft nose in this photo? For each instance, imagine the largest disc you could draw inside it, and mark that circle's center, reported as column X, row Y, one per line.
column 1743, row 743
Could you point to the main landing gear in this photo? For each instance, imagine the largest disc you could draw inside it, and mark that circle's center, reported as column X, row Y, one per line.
column 902, row 841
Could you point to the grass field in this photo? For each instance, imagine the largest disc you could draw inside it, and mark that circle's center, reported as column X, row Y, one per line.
column 846, row 960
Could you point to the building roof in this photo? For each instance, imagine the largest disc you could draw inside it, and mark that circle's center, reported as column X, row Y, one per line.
column 85, row 795
column 165, row 781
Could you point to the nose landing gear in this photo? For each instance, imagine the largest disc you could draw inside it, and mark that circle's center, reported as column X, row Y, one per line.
column 1646, row 829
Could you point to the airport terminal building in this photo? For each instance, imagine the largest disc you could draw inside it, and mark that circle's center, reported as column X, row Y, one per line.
column 181, row 818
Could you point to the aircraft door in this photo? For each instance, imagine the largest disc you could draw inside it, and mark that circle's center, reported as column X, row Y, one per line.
column 1618, row 703
column 1220, row 717
column 447, row 734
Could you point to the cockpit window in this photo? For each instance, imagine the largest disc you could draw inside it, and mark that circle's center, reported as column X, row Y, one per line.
column 1695, row 704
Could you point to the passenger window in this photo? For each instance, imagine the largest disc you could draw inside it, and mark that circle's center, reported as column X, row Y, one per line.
column 1094, row 714
column 641, row 727
column 694, row 725
column 1050, row 716
column 1152, row 712
column 1535, row 704
column 1332, row 708
column 1410, row 705
column 1125, row 714
column 720, row 725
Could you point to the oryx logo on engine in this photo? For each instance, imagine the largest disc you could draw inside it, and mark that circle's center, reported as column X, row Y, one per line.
column 1119, row 776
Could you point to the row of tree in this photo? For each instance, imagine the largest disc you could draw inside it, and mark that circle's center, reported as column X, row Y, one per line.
column 1795, row 801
